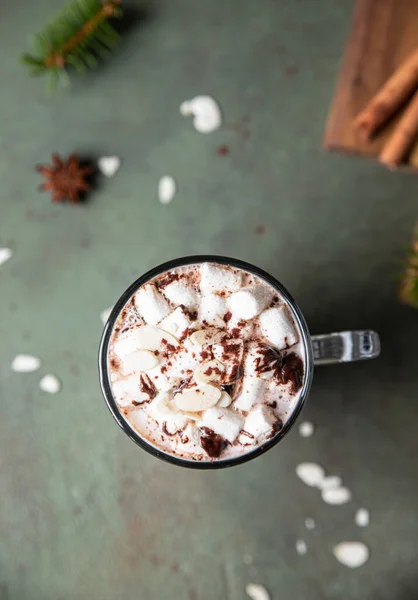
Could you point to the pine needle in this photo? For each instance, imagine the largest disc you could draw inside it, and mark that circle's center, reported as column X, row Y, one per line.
column 76, row 37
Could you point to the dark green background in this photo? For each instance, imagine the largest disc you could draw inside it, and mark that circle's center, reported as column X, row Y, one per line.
column 85, row 513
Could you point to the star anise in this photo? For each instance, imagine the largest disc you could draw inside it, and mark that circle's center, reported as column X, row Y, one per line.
column 66, row 179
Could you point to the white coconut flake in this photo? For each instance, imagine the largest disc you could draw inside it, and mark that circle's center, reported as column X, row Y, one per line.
column 257, row 592
column 362, row 517
column 50, row 384
column 301, row 547
column 351, row 554
column 109, row 165
column 25, row 363
column 205, row 111
column 309, row 523
column 310, row 473
column 105, row 314
column 331, row 482
column 5, row 254
column 336, row 496
column 166, row 189
column 306, row 429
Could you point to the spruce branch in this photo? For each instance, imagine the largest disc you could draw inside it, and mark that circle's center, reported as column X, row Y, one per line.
column 75, row 37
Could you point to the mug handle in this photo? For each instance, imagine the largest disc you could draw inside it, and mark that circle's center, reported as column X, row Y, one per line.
column 345, row 346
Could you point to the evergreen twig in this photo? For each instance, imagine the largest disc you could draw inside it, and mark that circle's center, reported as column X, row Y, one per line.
column 75, row 38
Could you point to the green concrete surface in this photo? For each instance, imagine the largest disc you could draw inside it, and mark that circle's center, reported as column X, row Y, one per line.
column 84, row 512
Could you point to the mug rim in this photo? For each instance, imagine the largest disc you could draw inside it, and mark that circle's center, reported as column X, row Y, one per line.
column 104, row 372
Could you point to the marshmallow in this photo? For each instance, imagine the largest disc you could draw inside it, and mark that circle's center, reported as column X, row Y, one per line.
column 254, row 357
column 159, row 380
column 218, row 279
column 249, row 302
column 127, row 390
column 276, row 325
column 152, row 305
column 230, row 353
column 179, row 293
column 140, row 360
column 183, row 362
column 251, row 392
column 223, row 421
column 176, row 323
column 259, row 421
column 212, row 309
column 25, row 363
column 175, row 423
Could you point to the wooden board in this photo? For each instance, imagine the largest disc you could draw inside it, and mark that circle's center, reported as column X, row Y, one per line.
column 382, row 34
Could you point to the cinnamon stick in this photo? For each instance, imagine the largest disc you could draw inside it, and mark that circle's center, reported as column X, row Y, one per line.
column 389, row 98
column 403, row 137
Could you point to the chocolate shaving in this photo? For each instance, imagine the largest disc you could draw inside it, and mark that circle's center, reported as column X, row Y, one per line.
column 169, row 346
column 290, row 371
column 227, row 316
column 184, row 384
column 147, row 387
column 167, row 279
column 165, row 430
column 212, row 443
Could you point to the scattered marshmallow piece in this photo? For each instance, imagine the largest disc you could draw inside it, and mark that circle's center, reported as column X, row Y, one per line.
column 25, row 363
column 50, row 384
column 336, row 496
column 331, row 482
column 310, row 473
column 362, row 517
column 309, row 523
column 205, row 111
column 152, row 305
column 223, row 421
column 259, row 421
column 5, row 254
column 105, row 314
column 257, row 592
column 212, row 309
column 249, row 302
column 179, row 293
column 109, row 165
column 166, row 189
column 301, row 547
column 219, row 279
column 306, row 429
column 276, row 325
column 176, row 322
column 351, row 554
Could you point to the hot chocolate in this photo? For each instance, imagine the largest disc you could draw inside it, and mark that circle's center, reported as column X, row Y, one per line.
column 206, row 362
